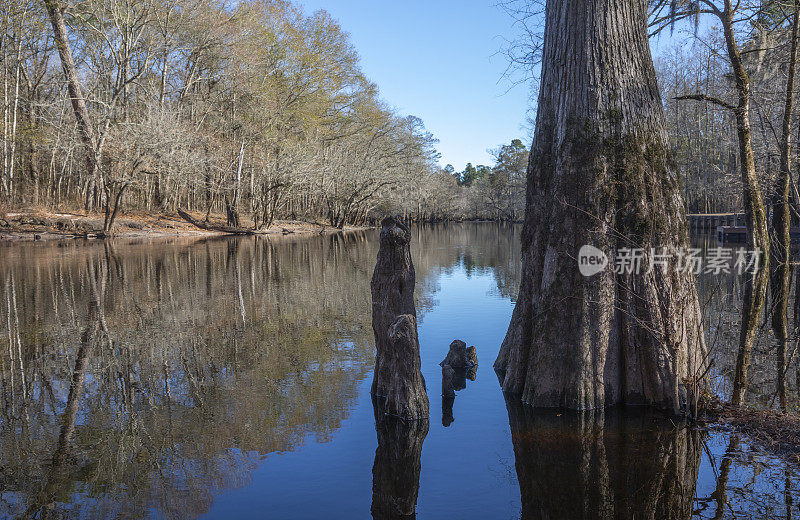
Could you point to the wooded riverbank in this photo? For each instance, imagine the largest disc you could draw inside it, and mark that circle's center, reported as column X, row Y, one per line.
column 53, row 225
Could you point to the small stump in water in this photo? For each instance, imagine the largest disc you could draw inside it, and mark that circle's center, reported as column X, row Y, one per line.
column 460, row 357
column 460, row 364
column 398, row 386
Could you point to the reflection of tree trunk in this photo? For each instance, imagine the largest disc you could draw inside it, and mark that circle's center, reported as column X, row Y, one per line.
column 721, row 492
column 787, row 492
column 395, row 474
column 76, row 386
column 595, row 465
column 56, row 481
column 447, row 410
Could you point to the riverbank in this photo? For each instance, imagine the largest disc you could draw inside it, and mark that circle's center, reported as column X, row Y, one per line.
column 45, row 225
column 776, row 432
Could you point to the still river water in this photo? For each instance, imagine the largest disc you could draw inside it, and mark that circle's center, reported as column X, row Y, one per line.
column 229, row 378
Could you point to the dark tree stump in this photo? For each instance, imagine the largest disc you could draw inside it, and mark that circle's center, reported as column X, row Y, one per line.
column 398, row 385
column 460, row 364
column 459, row 356
column 472, row 357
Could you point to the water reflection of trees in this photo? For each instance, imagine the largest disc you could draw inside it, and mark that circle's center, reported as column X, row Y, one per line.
column 140, row 376
column 721, row 302
column 596, row 465
column 152, row 377
column 198, row 357
column 487, row 249
column 748, row 483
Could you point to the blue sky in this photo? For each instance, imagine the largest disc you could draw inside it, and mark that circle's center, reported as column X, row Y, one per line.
column 439, row 61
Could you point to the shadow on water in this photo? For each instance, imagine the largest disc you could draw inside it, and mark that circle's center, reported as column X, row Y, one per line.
column 617, row 464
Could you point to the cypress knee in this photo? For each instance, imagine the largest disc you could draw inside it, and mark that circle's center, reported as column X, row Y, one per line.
column 398, row 386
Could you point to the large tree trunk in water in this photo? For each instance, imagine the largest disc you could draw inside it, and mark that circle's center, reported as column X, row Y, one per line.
column 398, row 386
column 600, row 174
column 781, row 220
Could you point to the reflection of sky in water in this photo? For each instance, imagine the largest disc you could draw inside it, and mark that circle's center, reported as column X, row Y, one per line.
column 468, row 468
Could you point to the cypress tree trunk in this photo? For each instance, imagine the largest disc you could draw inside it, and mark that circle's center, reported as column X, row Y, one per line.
column 600, row 174
column 398, row 387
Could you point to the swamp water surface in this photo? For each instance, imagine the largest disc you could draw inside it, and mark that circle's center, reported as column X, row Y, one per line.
column 229, row 378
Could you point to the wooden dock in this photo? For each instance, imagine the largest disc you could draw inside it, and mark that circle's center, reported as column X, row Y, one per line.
column 709, row 222
column 738, row 235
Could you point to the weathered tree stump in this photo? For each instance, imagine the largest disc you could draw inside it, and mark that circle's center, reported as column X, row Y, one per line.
column 472, row 357
column 398, row 385
column 460, row 364
column 459, row 356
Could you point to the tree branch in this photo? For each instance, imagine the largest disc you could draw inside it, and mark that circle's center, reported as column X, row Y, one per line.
column 704, row 97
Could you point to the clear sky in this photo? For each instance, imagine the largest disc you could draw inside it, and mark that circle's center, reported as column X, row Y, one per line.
column 439, row 61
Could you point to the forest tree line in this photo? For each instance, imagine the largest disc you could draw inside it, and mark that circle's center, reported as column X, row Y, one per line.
column 703, row 132
column 252, row 109
column 259, row 111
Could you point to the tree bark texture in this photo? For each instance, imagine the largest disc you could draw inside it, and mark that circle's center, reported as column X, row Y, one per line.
column 591, row 465
column 600, row 173
column 398, row 383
